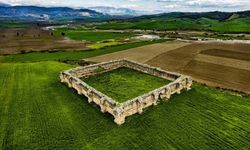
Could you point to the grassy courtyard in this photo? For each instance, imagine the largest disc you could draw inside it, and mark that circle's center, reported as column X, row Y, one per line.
column 39, row 112
column 123, row 84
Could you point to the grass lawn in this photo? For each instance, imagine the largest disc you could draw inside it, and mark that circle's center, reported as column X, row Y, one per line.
column 4, row 25
column 71, row 55
column 76, row 34
column 123, row 84
column 39, row 112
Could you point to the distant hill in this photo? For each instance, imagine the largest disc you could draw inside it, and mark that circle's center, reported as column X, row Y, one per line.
column 34, row 13
column 226, row 22
column 234, row 16
column 47, row 13
column 4, row 5
column 193, row 15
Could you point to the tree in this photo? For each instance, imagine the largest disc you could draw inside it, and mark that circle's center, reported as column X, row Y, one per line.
column 63, row 34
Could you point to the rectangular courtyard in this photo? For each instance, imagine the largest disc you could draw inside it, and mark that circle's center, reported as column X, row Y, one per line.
column 124, row 87
column 123, row 83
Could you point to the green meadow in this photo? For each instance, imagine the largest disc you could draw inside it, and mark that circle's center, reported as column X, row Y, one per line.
column 234, row 25
column 92, row 36
column 6, row 24
column 39, row 112
column 104, row 44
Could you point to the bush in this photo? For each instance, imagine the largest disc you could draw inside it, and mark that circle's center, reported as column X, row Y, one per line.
column 23, row 51
column 63, row 34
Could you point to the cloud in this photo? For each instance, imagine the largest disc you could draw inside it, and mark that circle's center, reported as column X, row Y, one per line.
column 34, row 2
column 171, row 6
column 133, row 0
column 205, row 5
column 209, row 3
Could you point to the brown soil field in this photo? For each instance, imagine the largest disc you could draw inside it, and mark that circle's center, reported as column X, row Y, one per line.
column 141, row 54
column 229, row 54
column 219, row 75
column 13, row 41
column 236, row 63
column 217, row 64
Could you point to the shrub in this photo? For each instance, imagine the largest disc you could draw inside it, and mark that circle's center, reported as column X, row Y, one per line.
column 63, row 34
column 23, row 51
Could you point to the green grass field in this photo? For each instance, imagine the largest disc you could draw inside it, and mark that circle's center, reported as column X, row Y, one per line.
column 39, row 112
column 71, row 55
column 229, row 26
column 123, row 84
column 104, row 44
column 4, row 25
column 79, row 34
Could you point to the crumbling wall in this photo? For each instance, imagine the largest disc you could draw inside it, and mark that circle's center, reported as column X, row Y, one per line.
column 122, row 110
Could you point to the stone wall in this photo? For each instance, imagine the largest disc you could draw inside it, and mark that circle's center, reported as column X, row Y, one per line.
column 122, row 110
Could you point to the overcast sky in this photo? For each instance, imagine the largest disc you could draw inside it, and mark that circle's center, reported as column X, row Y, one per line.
column 145, row 5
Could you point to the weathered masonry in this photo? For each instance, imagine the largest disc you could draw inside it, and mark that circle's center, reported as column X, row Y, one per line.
column 122, row 110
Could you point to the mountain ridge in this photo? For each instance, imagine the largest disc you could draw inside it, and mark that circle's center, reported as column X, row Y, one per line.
column 47, row 13
column 34, row 13
column 217, row 15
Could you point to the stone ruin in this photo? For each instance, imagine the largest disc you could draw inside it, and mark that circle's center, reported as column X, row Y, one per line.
column 136, row 105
